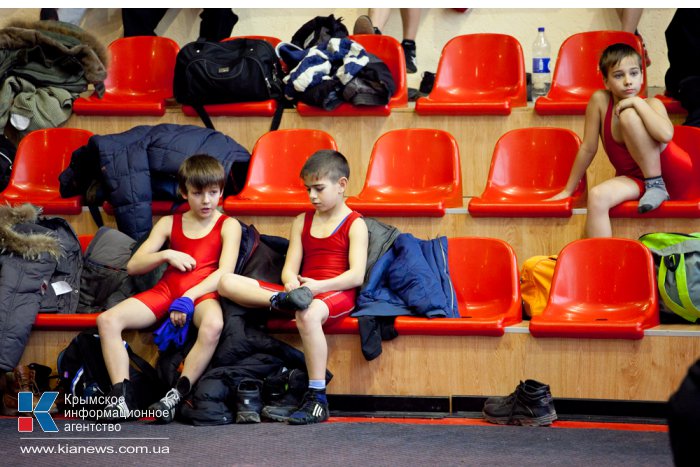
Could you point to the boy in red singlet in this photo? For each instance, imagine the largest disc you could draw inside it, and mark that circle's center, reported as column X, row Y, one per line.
column 636, row 135
column 325, row 264
column 203, row 246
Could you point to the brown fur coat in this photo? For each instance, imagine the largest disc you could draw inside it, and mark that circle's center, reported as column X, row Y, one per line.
column 27, row 246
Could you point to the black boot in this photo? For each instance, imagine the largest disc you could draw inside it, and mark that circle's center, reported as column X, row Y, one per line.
column 249, row 401
column 531, row 404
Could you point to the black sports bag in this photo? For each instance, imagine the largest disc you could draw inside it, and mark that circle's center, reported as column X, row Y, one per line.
column 239, row 70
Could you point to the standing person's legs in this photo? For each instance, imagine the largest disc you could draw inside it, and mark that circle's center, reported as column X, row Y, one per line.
column 604, row 196
column 141, row 21
column 410, row 19
column 379, row 17
column 629, row 18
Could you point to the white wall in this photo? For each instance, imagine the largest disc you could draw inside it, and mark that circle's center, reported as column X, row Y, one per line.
column 437, row 27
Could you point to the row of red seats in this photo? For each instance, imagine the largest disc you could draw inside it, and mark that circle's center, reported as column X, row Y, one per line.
column 478, row 74
column 602, row 288
column 412, row 172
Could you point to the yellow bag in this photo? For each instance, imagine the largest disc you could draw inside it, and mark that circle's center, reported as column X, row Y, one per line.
column 535, row 282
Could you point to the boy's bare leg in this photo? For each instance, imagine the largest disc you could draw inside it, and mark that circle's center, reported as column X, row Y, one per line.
column 129, row 314
column 603, row 197
column 646, row 152
column 209, row 320
column 644, row 149
column 244, row 291
column 309, row 323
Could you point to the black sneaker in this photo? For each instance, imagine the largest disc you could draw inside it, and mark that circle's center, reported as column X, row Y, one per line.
column 313, row 409
column 121, row 405
column 165, row 408
column 249, row 402
column 283, row 394
column 295, row 300
column 530, row 405
column 409, row 52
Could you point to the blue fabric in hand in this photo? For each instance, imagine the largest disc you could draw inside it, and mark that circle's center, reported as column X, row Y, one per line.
column 168, row 333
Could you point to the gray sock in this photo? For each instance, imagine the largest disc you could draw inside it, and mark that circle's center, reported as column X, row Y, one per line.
column 654, row 194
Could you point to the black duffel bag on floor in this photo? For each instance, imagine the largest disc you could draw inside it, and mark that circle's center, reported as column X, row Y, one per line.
column 239, row 70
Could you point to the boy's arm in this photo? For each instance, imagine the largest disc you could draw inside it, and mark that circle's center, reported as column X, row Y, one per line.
column 148, row 257
column 653, row 114
column 589, row 146
column 230, row 244
column 357, row 257
column 295, row 253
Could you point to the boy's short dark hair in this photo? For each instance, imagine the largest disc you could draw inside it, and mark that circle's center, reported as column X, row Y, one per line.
column 614, row 54
column 326, row 163
column 200, row 171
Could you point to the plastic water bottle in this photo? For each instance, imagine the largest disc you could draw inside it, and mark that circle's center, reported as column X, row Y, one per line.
column 541, row 76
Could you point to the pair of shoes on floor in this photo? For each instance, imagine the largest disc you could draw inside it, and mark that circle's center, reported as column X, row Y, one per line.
column 363, row 25
column 531, row 404
column 22, row 379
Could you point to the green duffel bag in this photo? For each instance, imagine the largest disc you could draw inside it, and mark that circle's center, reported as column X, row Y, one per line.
column 677, row 260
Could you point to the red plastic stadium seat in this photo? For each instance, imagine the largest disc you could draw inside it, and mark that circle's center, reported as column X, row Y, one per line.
column 140, row 78
column 41, row 156
column 412, row 172
column 680, row 205
column 576, row 75
column 273, row 186
column 602, row 288
column 672, row 105
column 484, row 273
column 478, row 74
column 265, row 108
column 346, row 325
column 66, row 321
column 388, row 50
column 528, row 166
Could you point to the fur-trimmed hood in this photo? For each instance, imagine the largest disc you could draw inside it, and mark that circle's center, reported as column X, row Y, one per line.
column 65, row 38
column 29, row 246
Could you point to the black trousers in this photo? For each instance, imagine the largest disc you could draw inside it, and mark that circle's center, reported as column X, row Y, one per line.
column 217, row 23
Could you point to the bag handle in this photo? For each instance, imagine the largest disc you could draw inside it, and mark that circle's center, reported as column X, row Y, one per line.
column 690, row 312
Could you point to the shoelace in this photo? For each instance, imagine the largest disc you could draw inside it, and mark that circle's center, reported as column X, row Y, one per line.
column 171, row 399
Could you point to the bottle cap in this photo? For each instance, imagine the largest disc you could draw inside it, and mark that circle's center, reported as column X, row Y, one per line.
column 540, row 29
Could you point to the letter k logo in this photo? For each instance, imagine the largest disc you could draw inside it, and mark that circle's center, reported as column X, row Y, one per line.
column 41, row 411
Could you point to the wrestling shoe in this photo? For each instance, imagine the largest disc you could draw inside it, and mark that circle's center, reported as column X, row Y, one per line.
column 294, row 300
column 166, row 407
column 313, row 409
